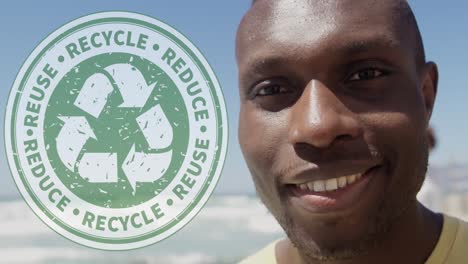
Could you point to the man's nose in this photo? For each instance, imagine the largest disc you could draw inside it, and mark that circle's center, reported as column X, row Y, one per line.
column 319, row 118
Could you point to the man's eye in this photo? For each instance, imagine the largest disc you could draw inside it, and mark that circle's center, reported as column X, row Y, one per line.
column 273, row 95
column 272, row 89
column 367, row 74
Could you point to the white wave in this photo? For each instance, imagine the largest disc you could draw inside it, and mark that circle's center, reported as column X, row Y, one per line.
column 26, row 255
column 17, row 219
column 189, row 258
column 264, row 225
column 242, row 212
column 38, row 255
column 238, row 213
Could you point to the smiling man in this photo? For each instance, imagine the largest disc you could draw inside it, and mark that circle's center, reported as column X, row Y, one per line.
column 336, row 97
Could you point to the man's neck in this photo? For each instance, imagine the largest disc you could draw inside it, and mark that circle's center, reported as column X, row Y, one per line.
column 411, row 240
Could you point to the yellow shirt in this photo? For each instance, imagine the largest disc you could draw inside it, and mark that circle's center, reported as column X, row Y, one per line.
column 452, row 247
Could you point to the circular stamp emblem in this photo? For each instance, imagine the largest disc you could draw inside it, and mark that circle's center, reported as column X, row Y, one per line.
column 116, row 130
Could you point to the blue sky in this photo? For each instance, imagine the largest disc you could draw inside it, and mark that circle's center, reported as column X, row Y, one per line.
column 211, row 25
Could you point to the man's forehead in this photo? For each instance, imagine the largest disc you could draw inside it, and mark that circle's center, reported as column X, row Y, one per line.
column 278, row 21
column 325, row 6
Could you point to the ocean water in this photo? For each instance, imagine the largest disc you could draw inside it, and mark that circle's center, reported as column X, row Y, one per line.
column 229, row 228
column 226, row 230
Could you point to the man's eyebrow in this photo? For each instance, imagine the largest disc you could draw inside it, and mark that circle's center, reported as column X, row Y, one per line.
column 263, row 64
column 266, row 63
column 258, row 64
column 366, row 45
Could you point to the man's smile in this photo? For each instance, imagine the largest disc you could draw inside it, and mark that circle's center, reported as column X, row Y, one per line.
column 335, row 194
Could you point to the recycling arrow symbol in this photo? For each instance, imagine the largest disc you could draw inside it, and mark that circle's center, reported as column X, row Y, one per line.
column 102, row 167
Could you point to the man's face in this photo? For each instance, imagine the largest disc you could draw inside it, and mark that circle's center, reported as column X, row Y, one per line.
column 333, row 119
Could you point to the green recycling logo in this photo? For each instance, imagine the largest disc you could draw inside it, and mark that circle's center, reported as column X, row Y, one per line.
column 108, row 131
column 116, row 131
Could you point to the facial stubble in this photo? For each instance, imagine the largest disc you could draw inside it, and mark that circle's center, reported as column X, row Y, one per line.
column 389, row 211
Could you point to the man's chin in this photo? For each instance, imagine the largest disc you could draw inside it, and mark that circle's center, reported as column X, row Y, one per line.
column 341, row 238
column 329, row 248
column 317, row 245
column 337, row 237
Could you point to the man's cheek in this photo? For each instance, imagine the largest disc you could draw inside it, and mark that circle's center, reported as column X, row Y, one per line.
column 260, row 148
column 259, row 158
column 258, row 140
column 258, row 153
column 402, row 148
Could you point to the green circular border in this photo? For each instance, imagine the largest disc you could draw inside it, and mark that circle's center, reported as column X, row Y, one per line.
column 215, row 99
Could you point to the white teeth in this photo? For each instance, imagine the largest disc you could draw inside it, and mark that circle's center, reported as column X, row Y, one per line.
column 319, row 186
column 351, row 178
column 331, row 184
column 342, row 182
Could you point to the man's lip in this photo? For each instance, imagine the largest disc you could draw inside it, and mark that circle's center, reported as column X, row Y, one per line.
column 334, row 201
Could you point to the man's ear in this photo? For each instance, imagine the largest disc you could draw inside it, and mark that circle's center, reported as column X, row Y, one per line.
column 430, row 79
